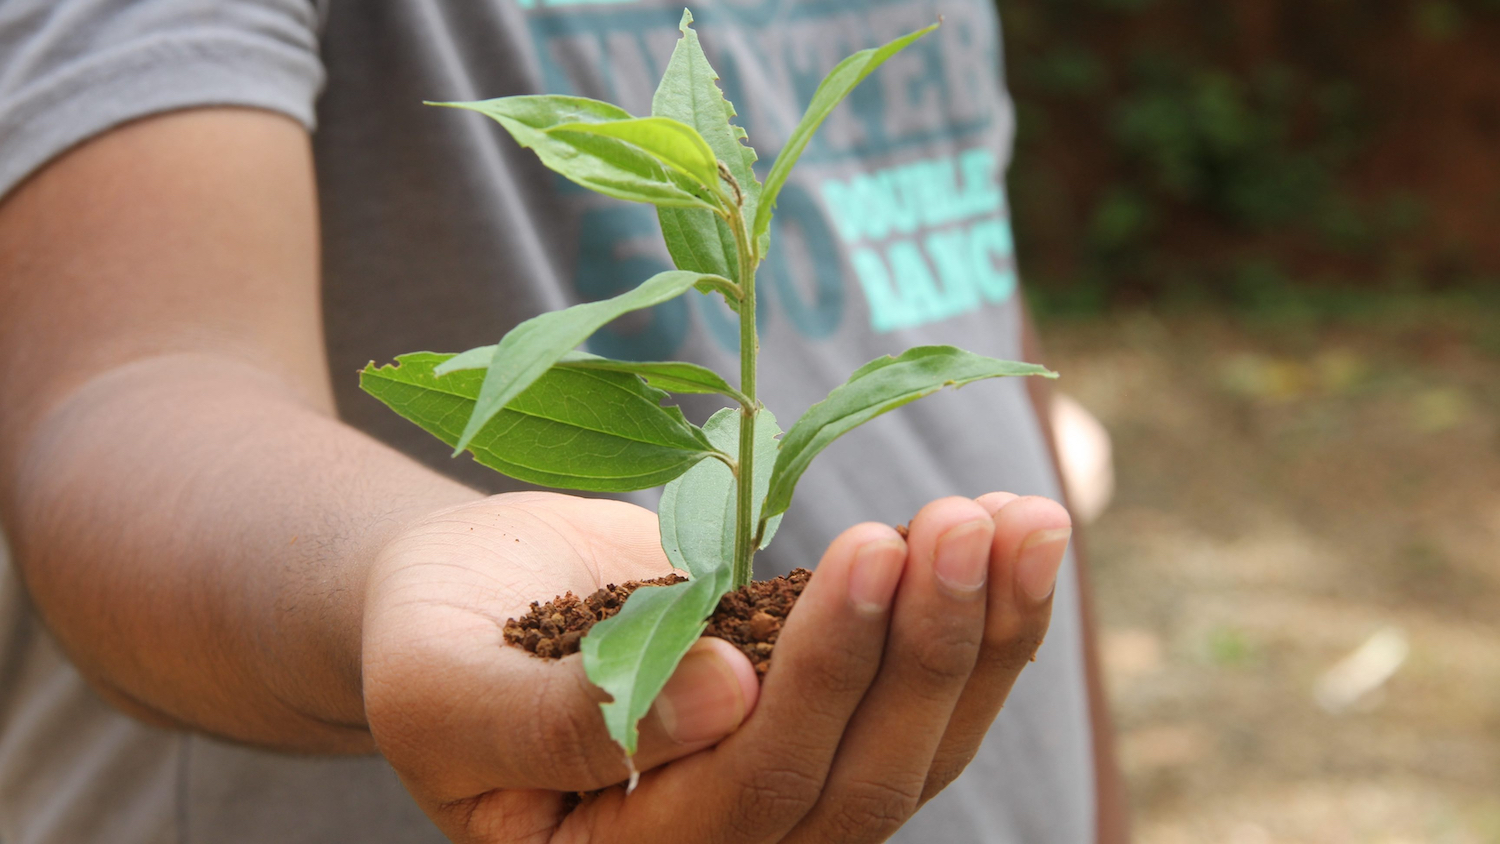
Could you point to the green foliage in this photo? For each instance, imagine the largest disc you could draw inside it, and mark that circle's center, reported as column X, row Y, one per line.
column 697, row 510
column 620, row 439
column 881, row 385
column 633, row 654
column 532, row 347
column 515, row 404
column 672, row 376
column 689, row 92
column 674, row 144
column 831, row 91
column 612, row 166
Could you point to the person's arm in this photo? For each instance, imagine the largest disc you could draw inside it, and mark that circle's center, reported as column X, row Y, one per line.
column 216, row 550
column 1113, row 818
column 188, row 515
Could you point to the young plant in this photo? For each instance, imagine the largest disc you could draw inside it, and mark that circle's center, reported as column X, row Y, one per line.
column 728, row 483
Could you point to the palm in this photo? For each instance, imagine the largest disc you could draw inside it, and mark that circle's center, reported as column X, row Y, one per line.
column 845, row 741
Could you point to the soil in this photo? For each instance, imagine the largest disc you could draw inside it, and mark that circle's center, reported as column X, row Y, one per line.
column 749, row 618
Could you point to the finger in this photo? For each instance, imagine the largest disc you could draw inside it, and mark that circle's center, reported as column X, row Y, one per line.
column 936, row 624
column 993, row 501
column 709, row 694
column 516, row 721
column 1030, row 540
column 756, row 784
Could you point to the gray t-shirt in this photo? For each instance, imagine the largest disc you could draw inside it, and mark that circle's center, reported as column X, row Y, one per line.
column 440, row 233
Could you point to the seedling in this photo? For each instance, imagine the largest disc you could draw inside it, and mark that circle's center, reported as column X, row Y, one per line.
column 534, row 408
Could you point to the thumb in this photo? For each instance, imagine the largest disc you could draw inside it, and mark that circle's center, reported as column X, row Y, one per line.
column 546, row 731
column 563, row 745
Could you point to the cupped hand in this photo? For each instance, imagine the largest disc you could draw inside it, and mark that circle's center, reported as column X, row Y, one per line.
column 886, row 676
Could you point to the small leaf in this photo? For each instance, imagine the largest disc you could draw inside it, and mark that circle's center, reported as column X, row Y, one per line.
column 531, row 348
column 669, row 141
column 831, row 91
column 674, row 376
column 697, row 509
column 698, row 240
column 883, row 384
column 608, row 165
column 632, row 654
column 571, row 429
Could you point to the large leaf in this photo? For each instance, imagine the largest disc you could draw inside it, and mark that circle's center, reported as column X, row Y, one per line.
column 699, row 240
column 669, row 141
column 883, row 384
column 532, row 347
column 633, row 654
column 831, row 91
column 611, row 166
column 697, row 510
column 571, row 429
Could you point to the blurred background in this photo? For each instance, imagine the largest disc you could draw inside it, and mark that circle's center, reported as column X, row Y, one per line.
column 1262, row 238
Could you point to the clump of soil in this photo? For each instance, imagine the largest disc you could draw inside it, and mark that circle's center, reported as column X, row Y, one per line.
column 552, row 630
column 749, row 618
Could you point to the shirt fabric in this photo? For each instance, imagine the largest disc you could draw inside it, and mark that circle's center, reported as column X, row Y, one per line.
column 439, row 233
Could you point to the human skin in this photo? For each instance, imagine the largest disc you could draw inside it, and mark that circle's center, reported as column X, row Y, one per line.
column 216, row 551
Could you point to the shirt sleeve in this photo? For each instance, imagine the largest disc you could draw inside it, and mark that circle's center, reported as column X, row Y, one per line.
column 72, row 69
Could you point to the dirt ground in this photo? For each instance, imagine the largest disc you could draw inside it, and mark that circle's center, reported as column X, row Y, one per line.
column 1287, row 490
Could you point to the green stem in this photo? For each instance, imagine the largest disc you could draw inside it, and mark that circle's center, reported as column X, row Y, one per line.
column 744, row 528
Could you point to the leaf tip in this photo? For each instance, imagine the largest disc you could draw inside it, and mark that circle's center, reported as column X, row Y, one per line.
column 687, row 21
column 635, row 775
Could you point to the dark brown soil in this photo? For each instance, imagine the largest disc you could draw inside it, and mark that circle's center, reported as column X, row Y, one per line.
column 749, row 618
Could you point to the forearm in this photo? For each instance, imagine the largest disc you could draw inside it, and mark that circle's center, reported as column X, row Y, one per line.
column 197, row 536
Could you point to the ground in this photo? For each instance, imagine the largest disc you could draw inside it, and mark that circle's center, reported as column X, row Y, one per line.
column 1289, row 486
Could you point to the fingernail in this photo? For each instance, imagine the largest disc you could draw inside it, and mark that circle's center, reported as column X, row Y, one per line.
column 703, row 701
column 963, row 559
column 1041, row 556
column 873, row 577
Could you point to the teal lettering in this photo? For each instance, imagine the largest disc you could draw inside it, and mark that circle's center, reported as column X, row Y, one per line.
column 950, row 252
column 885, row 306
column 905, row 199
column 937, row 181
column 981, row 194
column 920, row 299
column 993, row 259
column 844, row 207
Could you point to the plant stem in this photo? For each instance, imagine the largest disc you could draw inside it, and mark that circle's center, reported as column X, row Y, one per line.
column 744, row 527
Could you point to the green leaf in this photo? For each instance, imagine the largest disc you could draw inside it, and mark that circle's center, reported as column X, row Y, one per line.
column 669, row 141
column 883, row 384
column 531, row 348
column 700, row 242
column 674, row 376
column 831, row 91
column 697, row 509
column 571, row 429
column 611, row 166
column 689, row 92
column 632, row 654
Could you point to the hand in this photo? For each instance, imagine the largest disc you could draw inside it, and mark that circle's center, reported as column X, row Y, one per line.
column 885, row 679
